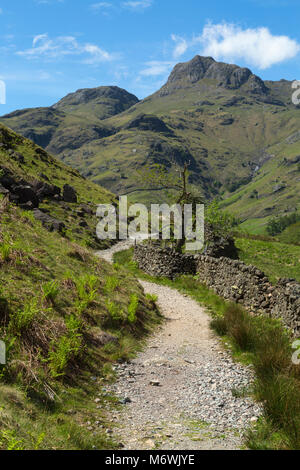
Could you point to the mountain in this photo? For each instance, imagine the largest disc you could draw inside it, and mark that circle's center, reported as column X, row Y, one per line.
column 75, row 120
column 239, row 133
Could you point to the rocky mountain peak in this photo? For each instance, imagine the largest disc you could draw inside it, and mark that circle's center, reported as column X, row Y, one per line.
column 97, row 95
column 227, row 75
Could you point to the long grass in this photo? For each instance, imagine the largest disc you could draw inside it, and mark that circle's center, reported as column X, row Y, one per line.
column 266, row 344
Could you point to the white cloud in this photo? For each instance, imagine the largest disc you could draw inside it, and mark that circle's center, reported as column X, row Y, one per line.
column 43, row 46
column 225, row 41
column 156, row 67
column 258, row 47
column 181, row 46
column 101, row 6
column 138, row 5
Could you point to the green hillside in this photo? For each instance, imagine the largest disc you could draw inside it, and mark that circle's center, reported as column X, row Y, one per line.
column 65, row 315
column 239, row 134
column 23, row 162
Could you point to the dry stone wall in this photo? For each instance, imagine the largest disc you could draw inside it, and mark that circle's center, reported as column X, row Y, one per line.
column 163, row 262
column 236, row 281
column 231, row 279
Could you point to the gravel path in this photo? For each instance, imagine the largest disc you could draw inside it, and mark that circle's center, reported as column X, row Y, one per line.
column 183, row 391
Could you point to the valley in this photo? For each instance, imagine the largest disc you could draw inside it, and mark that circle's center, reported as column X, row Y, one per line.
column 238, row 133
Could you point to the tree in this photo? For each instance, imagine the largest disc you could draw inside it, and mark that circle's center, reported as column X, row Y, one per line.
column 158, row 177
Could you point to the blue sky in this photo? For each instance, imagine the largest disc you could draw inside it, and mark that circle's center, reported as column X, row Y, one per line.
column 49, row 48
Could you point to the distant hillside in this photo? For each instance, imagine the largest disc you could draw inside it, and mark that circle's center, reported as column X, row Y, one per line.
column 74, row 120
column 239, row 133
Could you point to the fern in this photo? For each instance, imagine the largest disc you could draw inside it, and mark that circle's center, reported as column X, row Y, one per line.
column 132, row 308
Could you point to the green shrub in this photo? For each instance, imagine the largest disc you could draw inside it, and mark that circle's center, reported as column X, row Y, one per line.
column 68, row 347
column 218, row 324
column 21, row 320
column 74, row 324
column 111, row 284
column 239, row 327
column 5, row 251
column 151, row 297
column 51, row 290
column 86, row 289
column 281, row 400
column 277, row 225
column 9, row 441
column 132, row 308
column 114, row 311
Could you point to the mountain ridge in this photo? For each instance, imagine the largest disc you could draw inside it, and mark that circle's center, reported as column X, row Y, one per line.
column 225, row 120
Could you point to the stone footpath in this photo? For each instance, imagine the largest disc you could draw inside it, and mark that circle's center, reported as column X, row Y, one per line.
column 183, row 391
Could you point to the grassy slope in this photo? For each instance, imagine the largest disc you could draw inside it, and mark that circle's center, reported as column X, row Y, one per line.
column 273, row 258
column 55, row 340
column 59, row 174
column 281, row 169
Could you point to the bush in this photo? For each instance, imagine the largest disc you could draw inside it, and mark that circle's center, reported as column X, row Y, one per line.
column 114, row 311
column 22, row 320
column 50, row 290
column 67, row 348
column 132, row 308
column 277, row 383
column 111, row 284
column 238, row 324
column 5, row 251
column 277, row 225
column 221, row 221
column 87, row 292
column 218, row 324
column 153, row 298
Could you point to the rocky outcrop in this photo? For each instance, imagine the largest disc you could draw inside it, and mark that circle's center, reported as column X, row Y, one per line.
column 227, row 75
column 25, row 194
column 217, row 245
column 44, row 190
column 148, row 122
column 163, row 262
column 49, row 222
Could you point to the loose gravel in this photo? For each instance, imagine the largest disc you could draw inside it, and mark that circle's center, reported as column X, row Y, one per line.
column 183, row 391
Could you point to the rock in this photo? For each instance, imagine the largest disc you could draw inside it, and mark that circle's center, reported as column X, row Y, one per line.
column 83, row 223
column 23, row 194
column 69, row 194
column 49, row 222
column 148, row 122
column 278, row 187
column 97, row 400
column 154, row 383
column 125, row 400
column 45, row 190
column 227, row 76
column 3, row 190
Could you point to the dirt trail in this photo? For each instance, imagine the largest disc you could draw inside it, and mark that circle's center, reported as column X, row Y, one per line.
column 183, row 391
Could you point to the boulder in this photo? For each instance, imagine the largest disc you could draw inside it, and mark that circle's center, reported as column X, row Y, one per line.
column 23, row 194
column 3, row 190
column 49, row 222
column 69, row 194
column 45, row 190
